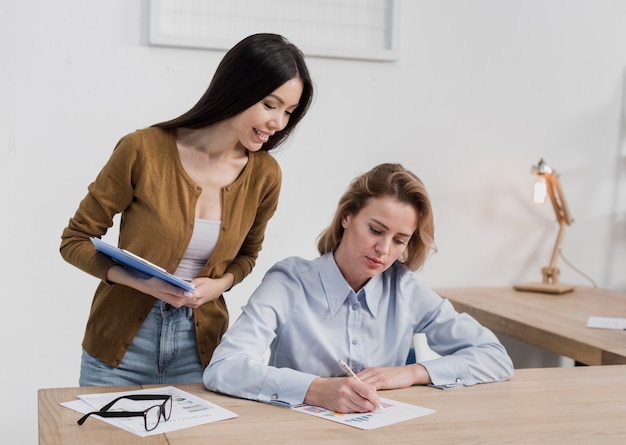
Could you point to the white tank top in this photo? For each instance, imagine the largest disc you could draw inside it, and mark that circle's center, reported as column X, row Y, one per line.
column 201, row 246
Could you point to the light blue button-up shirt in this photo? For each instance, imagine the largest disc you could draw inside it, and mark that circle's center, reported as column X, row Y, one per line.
column 309, row 317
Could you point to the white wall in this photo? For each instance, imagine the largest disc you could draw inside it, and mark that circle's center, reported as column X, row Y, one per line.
column 482, row 90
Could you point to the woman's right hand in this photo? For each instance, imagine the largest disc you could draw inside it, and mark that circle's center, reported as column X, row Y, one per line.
column 156, row 287
column 343, row 395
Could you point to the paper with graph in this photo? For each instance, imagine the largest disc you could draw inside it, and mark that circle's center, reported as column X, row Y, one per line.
column 394, row 412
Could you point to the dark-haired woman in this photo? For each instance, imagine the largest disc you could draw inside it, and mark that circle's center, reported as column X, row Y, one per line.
column 195, row 195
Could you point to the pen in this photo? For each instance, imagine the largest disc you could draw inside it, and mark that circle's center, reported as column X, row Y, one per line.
column 351, row 373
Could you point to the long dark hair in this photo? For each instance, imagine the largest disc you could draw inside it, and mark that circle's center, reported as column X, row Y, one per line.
column 248, row 73
column 397, row 182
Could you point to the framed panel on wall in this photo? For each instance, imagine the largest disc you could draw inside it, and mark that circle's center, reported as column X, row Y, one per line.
column 351, row 29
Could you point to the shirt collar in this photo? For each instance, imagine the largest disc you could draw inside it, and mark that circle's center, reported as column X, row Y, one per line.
column 337, row 289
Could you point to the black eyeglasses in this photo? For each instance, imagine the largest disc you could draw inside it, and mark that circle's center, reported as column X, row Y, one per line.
column 151, row 416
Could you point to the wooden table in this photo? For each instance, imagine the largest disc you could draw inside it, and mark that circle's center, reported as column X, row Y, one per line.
column 548, row 405
column 556, row 323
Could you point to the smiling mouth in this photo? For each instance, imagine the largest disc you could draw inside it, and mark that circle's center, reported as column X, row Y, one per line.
column 262, row 135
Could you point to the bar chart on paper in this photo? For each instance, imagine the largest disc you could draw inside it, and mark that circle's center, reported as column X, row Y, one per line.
column 394, row 412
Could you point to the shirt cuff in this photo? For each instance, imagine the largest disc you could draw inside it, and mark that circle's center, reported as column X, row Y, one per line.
column 286, row 387
column 448, row 372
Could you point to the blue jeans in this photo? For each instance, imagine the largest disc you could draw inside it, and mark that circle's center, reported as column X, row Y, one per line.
column 163, row 352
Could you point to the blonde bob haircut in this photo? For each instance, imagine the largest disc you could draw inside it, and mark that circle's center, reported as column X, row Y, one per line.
column 394, row 181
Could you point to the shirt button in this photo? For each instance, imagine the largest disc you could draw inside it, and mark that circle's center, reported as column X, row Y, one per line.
column 355, row 307
column 355, row 342
column 459, row 380
column 274, row 396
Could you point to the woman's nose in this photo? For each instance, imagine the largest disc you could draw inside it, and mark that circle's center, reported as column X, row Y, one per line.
column 279, row 121
column 383, row 245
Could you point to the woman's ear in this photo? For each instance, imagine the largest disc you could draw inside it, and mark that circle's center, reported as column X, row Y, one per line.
column 344, row 220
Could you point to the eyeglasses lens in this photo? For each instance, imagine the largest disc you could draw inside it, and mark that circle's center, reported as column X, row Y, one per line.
column 167, row 409
column 152, row 417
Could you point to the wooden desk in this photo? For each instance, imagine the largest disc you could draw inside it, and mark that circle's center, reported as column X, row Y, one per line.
column 547, row 405
column 556, row 323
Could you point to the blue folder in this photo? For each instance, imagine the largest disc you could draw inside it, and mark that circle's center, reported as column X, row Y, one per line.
column 137, row 263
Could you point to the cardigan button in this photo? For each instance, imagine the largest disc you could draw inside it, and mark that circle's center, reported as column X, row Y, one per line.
column 224, row 228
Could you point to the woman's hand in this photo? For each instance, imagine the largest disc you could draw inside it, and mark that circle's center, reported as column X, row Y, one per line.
column 149, row 285
column 343, row 395
column 395, row 377
column 208, row 289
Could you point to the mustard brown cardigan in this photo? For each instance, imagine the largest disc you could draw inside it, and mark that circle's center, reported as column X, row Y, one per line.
column 145, row 181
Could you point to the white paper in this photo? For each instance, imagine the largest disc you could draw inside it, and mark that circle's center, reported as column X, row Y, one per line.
column 394, row 412
column 606, row 323
column 187, row 410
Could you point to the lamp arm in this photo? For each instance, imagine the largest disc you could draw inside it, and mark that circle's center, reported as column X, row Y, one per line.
column 551, row 272
column 564, row 218
column 557, row 199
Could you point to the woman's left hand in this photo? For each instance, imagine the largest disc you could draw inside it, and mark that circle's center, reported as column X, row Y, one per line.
column 208, row 289
column 395, row 377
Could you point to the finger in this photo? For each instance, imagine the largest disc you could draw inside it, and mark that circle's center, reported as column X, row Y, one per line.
column 357, row 405
column 366, row 397
column 366, row 405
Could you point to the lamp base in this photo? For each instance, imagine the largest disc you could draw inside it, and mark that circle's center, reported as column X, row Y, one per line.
column 545, row 288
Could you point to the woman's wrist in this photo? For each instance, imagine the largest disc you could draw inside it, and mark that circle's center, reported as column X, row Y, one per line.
column 421, row 376
column 227, row 281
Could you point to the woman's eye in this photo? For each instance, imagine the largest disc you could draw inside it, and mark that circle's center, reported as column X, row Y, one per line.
column 269, row 106
column 375, row 231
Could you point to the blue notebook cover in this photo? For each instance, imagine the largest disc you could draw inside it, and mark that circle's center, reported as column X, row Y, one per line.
column 137, row 263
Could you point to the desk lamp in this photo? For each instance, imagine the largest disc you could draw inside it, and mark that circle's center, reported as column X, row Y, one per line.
column 548, row 183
